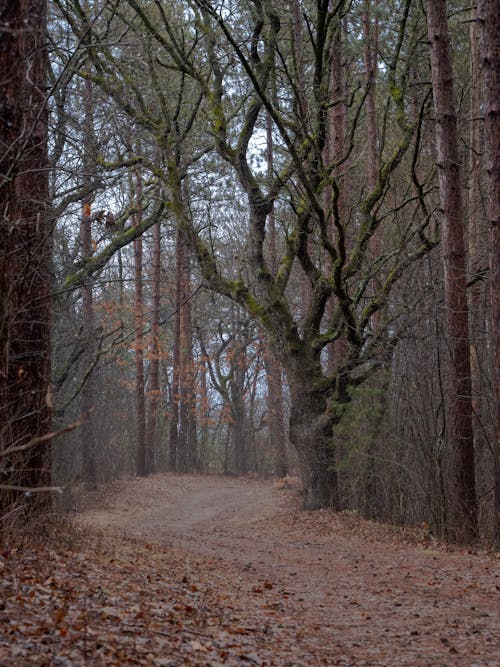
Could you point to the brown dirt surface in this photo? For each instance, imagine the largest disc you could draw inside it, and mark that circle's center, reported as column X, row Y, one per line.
column 181, row 570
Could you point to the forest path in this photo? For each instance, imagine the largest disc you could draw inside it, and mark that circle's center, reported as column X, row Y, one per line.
column 351, row 592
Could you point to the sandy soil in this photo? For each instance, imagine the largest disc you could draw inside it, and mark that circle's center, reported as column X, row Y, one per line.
column 356, row 592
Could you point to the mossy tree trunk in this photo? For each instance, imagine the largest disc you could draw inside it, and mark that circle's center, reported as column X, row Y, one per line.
column 311, row 433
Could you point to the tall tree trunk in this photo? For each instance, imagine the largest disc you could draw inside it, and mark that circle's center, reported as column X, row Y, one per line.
column 238, row 407
column 187, row 453
column 140, row 401
column 335, row 209
column 277, row 432
column 154, row 364
column 25, row 391
column 302, row 113
column 88, row 395
column 489, row 21
column 311, row 434
column 335, row 148
column 370, row 34
column 476, row 225
column 176, row 360
column 273, row 368
column 121, row 293
column 185, row 437
column 460, row 439
column 204, row 411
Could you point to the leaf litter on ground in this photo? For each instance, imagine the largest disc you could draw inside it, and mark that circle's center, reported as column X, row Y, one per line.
column 289, row 589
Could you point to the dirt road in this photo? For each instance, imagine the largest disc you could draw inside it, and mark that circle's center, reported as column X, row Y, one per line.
column 357, row 593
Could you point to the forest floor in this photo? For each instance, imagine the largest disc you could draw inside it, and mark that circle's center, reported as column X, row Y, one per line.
column 182, row 570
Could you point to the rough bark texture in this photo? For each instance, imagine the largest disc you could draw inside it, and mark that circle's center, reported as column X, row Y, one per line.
column 183, row 439
column 460, row 439
column 476, row 231
column 489, row 20
column 25, row 394
column 312, row 435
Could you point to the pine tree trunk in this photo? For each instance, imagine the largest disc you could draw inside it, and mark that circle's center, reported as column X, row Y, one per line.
column 140, row 401
column 489, row 21
column 370, row 31
column 187, row 454
column 25, row 232
column 88, row 397
column 154, row 373
column 477, row 230
column 370, row 34
column 176, row 360
column 460, row 438
column 204, row 412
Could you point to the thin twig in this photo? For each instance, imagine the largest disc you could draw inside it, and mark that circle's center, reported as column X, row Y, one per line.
column 42, row 438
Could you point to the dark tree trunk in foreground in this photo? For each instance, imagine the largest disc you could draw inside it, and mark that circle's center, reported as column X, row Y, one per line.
column 489, row 20
column 462, row 492
column 25, row 396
